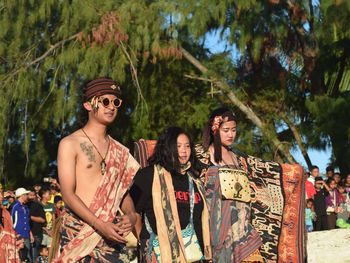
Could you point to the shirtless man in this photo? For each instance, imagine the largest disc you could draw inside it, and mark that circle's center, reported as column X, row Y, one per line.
column 95, row 173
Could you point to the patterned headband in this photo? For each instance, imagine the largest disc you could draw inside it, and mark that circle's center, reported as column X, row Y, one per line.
column 216, row 124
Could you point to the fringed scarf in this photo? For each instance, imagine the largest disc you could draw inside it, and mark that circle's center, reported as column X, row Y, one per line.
column 172, row 248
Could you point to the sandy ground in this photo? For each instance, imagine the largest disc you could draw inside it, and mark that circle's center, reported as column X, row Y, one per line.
column 332, row 246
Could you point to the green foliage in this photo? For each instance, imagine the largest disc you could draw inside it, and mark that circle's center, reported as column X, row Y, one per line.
column 292, row 55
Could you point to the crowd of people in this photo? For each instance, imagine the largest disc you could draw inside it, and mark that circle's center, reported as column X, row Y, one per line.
column 206, row 203
column 31, row 214
column 327, row 200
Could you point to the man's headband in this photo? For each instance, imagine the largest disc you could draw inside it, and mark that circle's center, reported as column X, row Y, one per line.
column 99, row 87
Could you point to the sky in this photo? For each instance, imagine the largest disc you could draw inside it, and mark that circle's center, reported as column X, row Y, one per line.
column 319, row 158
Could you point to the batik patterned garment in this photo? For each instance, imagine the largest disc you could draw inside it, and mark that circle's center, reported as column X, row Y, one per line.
column 233, row 237
column 79, row 241
column 8, row 250
column 275, row 213
column 104, row 252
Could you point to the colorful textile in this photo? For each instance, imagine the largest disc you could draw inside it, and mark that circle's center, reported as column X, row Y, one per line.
column 104, row 251
column 233, row 237
column 8, row 251
column 168, row 224
column 291, row 243
column 276, row 213
column 143, row 149
column 121, row 168
column 333, row 199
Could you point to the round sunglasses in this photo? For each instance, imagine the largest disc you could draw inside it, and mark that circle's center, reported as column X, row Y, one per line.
column 106, row 102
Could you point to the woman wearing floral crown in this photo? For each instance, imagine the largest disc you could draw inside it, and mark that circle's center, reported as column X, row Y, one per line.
column 228, row 193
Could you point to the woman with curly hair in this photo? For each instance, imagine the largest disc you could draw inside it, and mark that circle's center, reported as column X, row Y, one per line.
column 228, row 193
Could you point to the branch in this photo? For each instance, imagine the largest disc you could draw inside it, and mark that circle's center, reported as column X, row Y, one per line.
column 200, row 78
column 43, row 56
column 225, row 88
column 298, row 139
column 134, row 77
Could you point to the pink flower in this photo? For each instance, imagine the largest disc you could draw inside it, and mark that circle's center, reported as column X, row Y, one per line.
column 216, row 124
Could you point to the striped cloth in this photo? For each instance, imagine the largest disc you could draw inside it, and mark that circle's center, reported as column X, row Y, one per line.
column 143, row 149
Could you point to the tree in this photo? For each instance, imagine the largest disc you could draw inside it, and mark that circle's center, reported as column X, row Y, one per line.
column 285, row 63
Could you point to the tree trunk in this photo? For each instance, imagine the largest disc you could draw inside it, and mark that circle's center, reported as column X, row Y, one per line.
column 299, row 141
column 224, row 87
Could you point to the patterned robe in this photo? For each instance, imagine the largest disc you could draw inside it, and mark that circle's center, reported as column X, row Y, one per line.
column 8, row 250
column 275, row 213
column 79, row 241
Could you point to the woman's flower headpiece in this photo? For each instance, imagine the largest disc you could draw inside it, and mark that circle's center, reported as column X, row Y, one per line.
column 216, row 124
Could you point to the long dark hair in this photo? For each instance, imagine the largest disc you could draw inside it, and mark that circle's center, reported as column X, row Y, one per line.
column 166, row 155
column 208, row 135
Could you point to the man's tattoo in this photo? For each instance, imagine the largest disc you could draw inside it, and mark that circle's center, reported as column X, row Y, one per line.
column 88, row 150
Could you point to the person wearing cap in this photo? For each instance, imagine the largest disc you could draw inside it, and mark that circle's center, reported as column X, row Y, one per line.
column 95, row 172
column 21, row 221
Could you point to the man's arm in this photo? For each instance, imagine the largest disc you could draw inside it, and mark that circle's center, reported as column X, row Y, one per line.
column 130, row 220
column 66, row 161
column 38, row 219
column 14, row 216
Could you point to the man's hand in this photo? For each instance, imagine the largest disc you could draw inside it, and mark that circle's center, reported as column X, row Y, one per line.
column 110, row 231
column 31, row 237
column 126, row 224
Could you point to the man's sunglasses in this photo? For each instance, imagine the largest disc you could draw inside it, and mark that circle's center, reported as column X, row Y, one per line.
column 106, row 102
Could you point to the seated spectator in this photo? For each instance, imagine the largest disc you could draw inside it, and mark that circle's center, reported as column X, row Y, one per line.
column 332, row 203
column 309, row 215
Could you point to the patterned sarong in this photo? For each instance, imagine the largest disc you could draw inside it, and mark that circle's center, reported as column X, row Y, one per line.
column 8, row 250
column 105, row 251
column 79, row 241
column 276, row 214
column 232, row 235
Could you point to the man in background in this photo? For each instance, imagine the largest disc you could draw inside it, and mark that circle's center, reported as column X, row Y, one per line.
column 21, row 222
column 37, row 222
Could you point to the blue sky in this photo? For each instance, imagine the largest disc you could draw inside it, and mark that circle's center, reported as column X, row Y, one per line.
column 319, row 158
